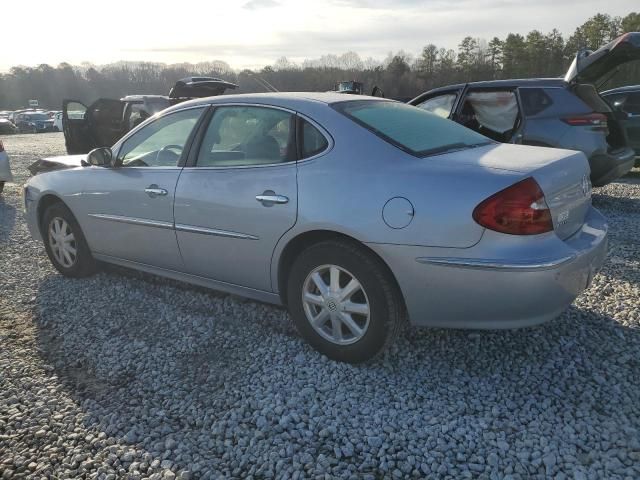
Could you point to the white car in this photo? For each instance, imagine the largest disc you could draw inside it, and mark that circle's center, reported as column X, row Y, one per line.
column 5, row 169
column 57, row 122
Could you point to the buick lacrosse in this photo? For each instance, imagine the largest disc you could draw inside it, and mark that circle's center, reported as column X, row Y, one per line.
column 354, row 212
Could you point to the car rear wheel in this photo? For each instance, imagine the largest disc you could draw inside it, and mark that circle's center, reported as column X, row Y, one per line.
column 344, row 302
column 65, row 243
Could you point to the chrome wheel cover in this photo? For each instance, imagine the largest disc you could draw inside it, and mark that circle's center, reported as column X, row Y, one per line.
column 336, row 305
column 62, row 242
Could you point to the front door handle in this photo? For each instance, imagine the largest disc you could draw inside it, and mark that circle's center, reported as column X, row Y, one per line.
column 155, row 191
column 270, row 198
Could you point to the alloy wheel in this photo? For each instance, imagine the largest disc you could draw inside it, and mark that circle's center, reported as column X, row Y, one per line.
column 336, row 304
column 62, row 242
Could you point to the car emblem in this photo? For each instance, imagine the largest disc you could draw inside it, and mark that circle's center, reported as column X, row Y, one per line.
column 586, row 186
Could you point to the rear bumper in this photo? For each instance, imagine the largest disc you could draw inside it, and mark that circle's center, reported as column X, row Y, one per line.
column 484, row 292
column 605, row 167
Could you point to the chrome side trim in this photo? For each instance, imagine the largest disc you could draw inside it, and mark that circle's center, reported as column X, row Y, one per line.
column 214, row 231
column 496, row 264
column 132, row 220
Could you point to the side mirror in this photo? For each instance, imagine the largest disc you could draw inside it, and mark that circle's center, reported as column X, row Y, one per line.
column 101, row 157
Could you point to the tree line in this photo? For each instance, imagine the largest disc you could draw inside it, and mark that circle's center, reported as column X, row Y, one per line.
column 399, row 75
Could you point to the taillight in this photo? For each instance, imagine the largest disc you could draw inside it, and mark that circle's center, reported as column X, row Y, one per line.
column 588, row 120
column 517, row 210
column 1, row 146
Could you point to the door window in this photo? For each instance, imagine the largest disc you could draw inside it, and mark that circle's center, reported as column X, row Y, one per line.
column 161, row 143
column 247, row 136
column 493, row 113
column 75, row 111
column 440, row 105
column 632, row 104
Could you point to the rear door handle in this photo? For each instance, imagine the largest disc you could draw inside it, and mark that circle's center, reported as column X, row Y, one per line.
column 155, row 191
column 270, row 198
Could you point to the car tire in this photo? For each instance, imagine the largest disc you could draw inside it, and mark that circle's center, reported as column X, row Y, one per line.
column 57, row 224
column 342, row 330
column 1, row 186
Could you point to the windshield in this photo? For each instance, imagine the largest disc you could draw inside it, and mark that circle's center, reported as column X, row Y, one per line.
column 411, row 129
column 38, row 116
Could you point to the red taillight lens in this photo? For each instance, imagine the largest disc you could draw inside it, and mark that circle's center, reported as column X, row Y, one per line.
column 517, row 210
column 1, row 146
column 589, row 120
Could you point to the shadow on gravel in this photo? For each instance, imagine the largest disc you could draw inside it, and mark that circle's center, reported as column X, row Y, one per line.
column 7, row 219
column 180, row 372
column 616, row 204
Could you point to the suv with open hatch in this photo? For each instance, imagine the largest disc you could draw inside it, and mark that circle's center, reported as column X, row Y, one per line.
column 551, row 112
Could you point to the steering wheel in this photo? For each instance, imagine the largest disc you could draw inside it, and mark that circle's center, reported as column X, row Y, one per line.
column 172, row 147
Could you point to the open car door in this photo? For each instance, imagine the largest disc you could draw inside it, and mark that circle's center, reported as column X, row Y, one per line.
column 597, row 67
column 86, row 128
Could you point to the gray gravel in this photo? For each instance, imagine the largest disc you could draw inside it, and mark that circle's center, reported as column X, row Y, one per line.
column 128, row 375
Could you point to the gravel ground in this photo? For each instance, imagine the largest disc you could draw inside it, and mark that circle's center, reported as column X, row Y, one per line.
column 128, row 375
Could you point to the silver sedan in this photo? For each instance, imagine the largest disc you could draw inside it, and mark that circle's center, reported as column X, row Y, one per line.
column 356, row 213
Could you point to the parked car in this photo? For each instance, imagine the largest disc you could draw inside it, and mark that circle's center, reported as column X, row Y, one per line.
column 34, row 122
column 7, row 127
column 562, row 113
column 106, row 120
column 5, row 114
column 350, row 210
column 626, row 100
column 5, row 168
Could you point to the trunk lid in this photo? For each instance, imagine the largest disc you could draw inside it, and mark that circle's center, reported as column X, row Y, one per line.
column 594, row 67
column 563, row 176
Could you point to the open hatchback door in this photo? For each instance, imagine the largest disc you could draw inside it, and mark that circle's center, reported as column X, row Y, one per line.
column 86, row 128
column 199, row 87
column 597, row 67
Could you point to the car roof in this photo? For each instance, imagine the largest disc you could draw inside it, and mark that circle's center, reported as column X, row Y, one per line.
column 628, row 88
column 509, row 83
column 283, row 99
column 130, row 98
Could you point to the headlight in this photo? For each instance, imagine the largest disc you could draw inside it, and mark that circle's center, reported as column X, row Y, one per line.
column 31, row 124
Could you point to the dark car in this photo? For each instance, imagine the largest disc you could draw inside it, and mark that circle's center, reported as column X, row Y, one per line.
column 7, row 127
column 34, row 122
column 627, row 101
column 106, row 120
column 563, row 113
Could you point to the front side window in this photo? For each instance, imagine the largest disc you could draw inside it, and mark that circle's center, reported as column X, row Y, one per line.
column 411, row 129
column 248, row 136
column 161, row 143
column 440, row 105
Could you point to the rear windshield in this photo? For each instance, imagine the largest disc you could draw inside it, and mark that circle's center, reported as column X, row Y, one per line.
column 409, row 128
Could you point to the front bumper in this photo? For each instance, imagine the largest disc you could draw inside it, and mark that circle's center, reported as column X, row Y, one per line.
column 607, row 167
column 483, row 291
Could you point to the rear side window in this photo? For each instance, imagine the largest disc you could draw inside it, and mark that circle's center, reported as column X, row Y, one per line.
column 440, row 105
column 409, row 128
column 632, row 104
column 534, row 101
column 313, row 142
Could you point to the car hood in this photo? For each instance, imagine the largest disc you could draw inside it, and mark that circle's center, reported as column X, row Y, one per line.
column 49, row 164
column 594, row 67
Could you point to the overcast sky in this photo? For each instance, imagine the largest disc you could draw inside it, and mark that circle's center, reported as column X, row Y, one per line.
column 254, row 33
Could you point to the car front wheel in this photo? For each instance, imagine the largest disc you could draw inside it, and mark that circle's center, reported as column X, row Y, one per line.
column 65, row 243
column 344, row 301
